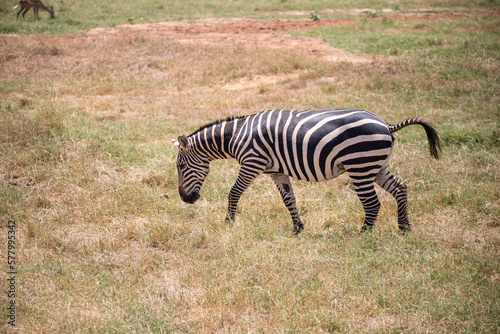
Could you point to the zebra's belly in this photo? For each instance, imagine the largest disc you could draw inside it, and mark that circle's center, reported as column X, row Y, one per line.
column 337, row 170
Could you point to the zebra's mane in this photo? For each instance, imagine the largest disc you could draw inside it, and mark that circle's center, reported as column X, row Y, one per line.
column 219, row 121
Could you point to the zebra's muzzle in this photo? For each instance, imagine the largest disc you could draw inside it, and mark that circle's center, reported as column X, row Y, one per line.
column 191, row 198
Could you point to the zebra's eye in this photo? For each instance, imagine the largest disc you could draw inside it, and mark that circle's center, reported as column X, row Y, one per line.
column 182, row 164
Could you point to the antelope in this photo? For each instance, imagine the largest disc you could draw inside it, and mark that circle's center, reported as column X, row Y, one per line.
column 26, row 5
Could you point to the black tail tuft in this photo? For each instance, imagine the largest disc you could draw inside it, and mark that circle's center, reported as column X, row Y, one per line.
column 432, row 134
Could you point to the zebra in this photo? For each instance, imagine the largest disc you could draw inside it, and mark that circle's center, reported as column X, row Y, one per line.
column 309, row 145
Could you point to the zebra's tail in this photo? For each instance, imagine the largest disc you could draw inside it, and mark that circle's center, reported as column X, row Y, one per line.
column 432, row 134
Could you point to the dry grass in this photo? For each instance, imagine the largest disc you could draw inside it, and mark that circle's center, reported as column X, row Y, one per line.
column 105, row 244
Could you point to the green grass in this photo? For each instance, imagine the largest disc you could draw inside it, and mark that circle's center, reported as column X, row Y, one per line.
column 105, row 244
column 84, row 15
column 478, row 37
column 433, row 66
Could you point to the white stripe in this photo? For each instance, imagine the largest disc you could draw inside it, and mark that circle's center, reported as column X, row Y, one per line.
column 268, row 125
column 222, row 131
column 276, row 144
column 288, row 162
column 371, row 171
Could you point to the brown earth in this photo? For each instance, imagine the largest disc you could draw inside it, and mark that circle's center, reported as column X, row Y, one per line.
column 270, row 32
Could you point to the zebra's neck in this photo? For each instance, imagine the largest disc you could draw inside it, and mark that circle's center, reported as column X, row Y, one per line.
column 213, row 140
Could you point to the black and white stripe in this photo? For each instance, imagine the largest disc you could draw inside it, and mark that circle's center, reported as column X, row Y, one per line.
column 310, row 145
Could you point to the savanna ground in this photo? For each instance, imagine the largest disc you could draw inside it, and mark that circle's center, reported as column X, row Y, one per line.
column 87, row 170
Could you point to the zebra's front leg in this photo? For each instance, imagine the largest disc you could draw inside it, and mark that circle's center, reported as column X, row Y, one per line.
column 246, row 176
column 284, row 185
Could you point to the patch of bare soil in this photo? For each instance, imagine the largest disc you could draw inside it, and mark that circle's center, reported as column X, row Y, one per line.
column 269, row 32
column 244, row 31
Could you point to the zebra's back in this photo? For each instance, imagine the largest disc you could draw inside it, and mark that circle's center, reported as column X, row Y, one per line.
column 317, row 145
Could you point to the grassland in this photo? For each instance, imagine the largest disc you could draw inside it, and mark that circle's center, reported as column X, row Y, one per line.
column 105, row 245
column 79, row 16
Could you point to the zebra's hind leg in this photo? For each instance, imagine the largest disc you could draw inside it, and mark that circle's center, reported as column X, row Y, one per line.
column 365, row 189
column 284, row 185
column 398, row 190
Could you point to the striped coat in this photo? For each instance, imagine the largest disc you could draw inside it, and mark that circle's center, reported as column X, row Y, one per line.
column 309, row 145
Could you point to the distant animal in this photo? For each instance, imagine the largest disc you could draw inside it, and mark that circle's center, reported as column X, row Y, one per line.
column 310, row 145
column 26, row 5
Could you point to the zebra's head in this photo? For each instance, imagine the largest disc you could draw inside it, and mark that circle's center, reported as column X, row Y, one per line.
column 192, row 167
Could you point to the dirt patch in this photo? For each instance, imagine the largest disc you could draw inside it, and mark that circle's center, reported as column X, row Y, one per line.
column 244, row 26
column 227, row 26
column 247, row 32
column 270, row 32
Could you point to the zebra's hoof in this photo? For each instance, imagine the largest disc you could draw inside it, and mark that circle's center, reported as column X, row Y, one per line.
column 405, row 228
column 298, row 228
column 366, row 228
column 228, row 220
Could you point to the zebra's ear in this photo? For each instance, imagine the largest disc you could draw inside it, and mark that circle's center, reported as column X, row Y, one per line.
column 175, row 142
column 182, row 142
